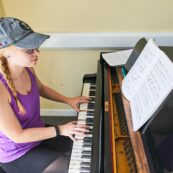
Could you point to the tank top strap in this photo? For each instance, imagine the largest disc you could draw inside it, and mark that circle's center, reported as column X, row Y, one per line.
column 32, row 76
column 34, row 88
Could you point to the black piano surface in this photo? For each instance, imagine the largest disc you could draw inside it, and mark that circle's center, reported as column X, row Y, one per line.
column 152, row 133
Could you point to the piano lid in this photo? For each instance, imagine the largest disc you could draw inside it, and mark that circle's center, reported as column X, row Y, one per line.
column 138, row 49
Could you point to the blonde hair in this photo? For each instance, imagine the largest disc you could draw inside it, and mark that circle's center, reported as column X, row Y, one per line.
column 6, row 72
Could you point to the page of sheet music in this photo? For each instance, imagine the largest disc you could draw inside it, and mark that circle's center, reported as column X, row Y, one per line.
column 138, row 71
column 152, row 85
column 117, row 58
column 156, row 87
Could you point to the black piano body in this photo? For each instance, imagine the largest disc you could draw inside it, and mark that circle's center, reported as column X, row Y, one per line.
column 116, row 148
column 146, row 141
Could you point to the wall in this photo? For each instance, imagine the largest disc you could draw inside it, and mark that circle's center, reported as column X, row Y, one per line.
column 93, row 16
column 63, row 69
column 2, row 13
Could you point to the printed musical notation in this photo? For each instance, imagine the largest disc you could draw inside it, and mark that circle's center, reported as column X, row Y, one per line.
column 148, row 83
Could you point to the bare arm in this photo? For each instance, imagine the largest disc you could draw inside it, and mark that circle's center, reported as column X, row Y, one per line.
column 48, row 92
column 10, row 126
column 53, row 95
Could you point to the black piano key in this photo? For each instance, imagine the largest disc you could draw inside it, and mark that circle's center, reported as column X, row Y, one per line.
column 93, row 87
column 85, row 168
column 91, row 105
column 85, row 164
column 91, row 101
column 85, row 145
column 85, row 156
column 92, row 93
column 89, row 123
column 90, row 132
column 87, row 139
column 92, row 82
column 89, row 119
column 87, row 142
column 90, row 112
column 86, row 152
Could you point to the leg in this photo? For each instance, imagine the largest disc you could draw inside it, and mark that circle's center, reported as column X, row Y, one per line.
column 37, row 160
column 60, row 144
column 60, row 165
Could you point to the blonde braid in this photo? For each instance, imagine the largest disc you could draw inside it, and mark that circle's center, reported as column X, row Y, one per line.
column 7, row 75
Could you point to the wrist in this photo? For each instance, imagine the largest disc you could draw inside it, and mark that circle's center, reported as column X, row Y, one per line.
column 57, row 130
column 67, row 100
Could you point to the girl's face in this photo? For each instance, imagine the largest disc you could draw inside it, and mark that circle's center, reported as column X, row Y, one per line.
column 23, row 57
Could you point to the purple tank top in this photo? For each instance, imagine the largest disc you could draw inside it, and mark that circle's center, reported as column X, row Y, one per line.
column 9, row 150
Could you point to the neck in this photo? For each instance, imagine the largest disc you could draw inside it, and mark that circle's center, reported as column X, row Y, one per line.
column 16, row 71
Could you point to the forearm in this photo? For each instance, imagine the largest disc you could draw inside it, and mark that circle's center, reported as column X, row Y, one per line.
column 53, row 95
column 35, row 134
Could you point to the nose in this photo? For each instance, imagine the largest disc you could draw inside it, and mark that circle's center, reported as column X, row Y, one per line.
column 36, row 52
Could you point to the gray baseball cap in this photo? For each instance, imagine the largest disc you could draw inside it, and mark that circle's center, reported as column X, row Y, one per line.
column 16, row 32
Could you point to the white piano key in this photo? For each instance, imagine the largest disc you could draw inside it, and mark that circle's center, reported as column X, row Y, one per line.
column 84, row 117
column 82, row 149
column 86, row 89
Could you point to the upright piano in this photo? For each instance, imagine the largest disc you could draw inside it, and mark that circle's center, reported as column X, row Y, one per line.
column 112, row 146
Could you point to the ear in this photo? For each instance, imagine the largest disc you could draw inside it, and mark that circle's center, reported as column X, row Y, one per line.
column 7, row 56
column 6, row 53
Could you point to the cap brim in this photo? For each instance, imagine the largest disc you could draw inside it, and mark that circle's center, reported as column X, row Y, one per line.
column 32, row 41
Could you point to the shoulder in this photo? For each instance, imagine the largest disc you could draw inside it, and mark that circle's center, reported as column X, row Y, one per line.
column 38, row 82
column 32, row 71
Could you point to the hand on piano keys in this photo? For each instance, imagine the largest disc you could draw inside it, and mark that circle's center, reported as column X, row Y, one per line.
column 80, row 161
column 75, row 101
column 72, row 128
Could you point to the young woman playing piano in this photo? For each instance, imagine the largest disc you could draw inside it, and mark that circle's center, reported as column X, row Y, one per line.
column 26, row 144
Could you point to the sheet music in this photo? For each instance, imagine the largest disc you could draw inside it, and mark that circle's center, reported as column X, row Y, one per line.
column 148, row 83
column 117, row 58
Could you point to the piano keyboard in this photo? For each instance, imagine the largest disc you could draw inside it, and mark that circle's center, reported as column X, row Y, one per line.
column 80, row 161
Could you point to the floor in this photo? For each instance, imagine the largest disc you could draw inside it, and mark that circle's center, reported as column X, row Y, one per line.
column 55, row 120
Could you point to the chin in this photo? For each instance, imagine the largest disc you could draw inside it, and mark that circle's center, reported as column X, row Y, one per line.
column 31, row 65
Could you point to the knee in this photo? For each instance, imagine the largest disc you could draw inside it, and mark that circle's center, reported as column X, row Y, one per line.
column 60, row 165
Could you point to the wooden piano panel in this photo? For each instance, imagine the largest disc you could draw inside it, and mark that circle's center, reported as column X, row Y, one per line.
column 135, row 137
column 122, row 153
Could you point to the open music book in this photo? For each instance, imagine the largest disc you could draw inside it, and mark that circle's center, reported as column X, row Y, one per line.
column 148, row 83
